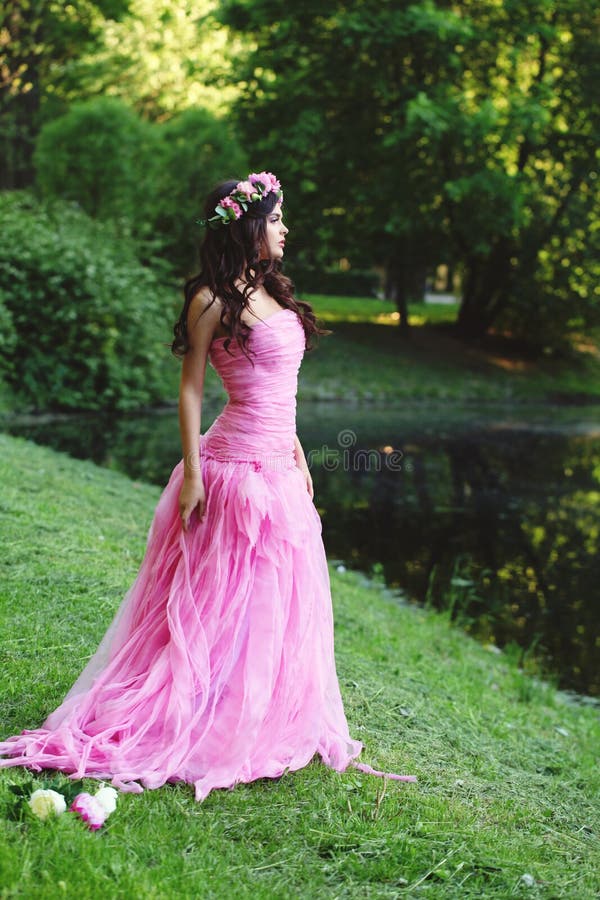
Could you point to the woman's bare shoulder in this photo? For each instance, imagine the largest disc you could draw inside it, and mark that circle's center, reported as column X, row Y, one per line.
column 204, row 299
column 204, row 306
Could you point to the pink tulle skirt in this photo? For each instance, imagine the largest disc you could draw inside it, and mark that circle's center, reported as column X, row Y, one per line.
column 218, row 667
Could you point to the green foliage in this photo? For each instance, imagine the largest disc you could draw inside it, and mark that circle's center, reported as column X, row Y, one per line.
column 101, row 155
column 415, row 134
column 40, row 41
column 162, row 58
column 88, row 319
column 8, row 337
column 336, row 283
column 154, row 176
column 197, row 149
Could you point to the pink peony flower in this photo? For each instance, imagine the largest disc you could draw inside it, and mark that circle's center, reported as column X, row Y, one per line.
column 228, row 203
column 267, row 179
column 90, row 809
column 247, row 188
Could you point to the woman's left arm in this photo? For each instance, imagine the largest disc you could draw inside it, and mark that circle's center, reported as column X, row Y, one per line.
column 303, row 465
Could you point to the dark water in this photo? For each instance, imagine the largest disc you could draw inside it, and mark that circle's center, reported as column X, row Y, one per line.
column 494, row 514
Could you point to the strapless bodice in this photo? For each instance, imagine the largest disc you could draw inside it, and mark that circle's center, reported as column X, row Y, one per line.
column 258, row 423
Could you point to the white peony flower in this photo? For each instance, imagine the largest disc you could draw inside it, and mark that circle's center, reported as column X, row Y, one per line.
column 46, row 803
column 107, row 797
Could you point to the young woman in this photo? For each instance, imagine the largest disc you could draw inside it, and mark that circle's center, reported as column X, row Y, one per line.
column 218, row 667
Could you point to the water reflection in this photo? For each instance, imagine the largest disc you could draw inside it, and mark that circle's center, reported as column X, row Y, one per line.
column 501, row 524
column 492, row 514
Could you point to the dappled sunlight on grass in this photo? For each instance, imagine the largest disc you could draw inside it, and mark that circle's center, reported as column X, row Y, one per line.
column 511, row 365
column 380, row 312
column 589, row 345
column 368, row 356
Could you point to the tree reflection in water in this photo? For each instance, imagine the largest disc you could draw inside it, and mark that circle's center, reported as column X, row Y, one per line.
column 500, row 526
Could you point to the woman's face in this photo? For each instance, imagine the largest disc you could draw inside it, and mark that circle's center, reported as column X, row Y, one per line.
column 275, row 235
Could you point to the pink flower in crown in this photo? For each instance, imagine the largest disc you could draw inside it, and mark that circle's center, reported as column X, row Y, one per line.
column 228, row 203
column 90, row 809
column 247, row 188
column 267, row 179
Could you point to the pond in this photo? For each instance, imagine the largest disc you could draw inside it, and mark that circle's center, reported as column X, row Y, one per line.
column 491, row 513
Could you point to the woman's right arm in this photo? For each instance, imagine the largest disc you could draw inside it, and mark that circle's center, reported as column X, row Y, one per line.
column 203, row 318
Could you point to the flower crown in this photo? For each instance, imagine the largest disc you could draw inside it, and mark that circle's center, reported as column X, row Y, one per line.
column 233, row 207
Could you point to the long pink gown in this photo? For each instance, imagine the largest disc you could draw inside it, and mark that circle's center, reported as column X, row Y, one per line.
column 218, row 667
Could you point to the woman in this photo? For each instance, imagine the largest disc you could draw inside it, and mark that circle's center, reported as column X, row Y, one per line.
column 218, row 667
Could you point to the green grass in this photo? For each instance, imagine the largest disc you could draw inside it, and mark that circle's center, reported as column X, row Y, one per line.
column 367, row 359
column 507, row 767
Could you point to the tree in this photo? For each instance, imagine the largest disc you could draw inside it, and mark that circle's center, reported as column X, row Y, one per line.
column 101, row 155
column 515, row 141
column 36, row 38
column 196, row 150
column 164, row 57
column 153, row 177
column 416, row 133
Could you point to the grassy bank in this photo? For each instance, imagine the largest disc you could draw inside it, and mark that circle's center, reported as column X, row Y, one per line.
column 507, row 767
column 366, row 358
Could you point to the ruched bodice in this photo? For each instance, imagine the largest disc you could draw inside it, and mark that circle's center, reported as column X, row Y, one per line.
column 258, row 422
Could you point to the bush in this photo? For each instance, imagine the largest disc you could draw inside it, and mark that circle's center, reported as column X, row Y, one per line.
column 101, row 155
column 8, row 338
column 197, row 150
column 89, row 325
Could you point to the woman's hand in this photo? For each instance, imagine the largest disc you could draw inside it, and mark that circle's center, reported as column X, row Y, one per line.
column 192, row 496
column 303, row 465
column 307, row 477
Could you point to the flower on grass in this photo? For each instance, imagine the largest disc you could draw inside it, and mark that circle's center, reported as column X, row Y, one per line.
column 90, row 809
column 107, row 797
column 45, row 803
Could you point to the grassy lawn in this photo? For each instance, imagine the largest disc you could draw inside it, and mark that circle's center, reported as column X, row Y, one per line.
column 507, row 766
column 367, row 358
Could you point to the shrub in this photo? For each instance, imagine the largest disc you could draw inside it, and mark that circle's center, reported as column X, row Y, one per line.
column 8, row 338
column 101, row 155
column 197, row 150
column 89, row 323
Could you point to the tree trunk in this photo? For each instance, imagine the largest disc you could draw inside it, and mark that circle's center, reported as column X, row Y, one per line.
column 19, row 108
column 486, row 292
column 405, row 281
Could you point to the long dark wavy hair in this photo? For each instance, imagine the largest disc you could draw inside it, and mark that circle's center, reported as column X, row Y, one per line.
column 229, row 253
